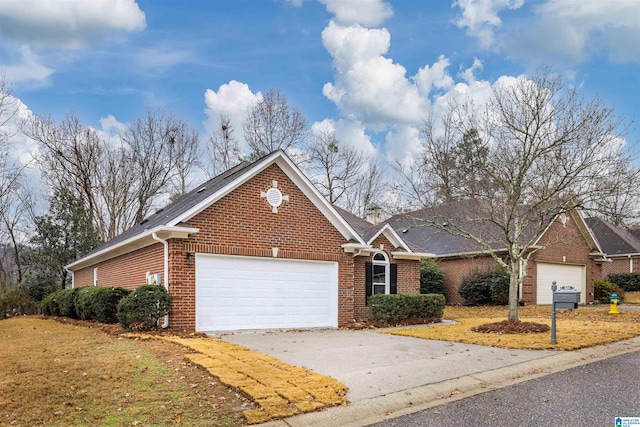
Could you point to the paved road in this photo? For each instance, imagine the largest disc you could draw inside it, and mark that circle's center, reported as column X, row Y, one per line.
column 589, row 395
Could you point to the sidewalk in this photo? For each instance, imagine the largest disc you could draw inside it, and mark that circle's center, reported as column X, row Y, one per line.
column 369, row 411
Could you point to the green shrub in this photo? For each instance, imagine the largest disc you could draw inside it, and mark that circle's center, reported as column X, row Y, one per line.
column 485, row 288
column 399, row 307
column 143, row 308
column 49, row 305
column 99, row 303
column 66, row 299
column 16, row 301
column 431, row 277
column 602, row 291
column 629, row 282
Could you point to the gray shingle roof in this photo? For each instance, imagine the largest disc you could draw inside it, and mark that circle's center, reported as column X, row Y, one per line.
column 365, row 229
column 614, row 240
column 417, row 228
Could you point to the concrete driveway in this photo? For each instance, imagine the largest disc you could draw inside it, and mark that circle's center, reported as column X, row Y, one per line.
column 373, row 364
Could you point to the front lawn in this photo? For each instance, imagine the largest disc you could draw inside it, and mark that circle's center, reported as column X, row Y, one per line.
column 58, row 374
column 584, row 327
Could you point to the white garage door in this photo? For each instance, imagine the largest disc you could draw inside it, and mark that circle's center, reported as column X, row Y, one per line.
column 571, row 275
column 234, row 292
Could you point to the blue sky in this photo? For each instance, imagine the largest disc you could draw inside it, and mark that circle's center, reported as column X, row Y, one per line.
column 368, row 69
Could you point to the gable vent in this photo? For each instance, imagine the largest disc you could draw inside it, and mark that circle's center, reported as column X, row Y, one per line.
column 274, row 197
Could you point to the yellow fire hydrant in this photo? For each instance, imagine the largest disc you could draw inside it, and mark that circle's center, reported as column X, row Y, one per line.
column 614, row 302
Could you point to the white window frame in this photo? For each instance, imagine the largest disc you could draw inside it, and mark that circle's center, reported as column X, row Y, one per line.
column 95, row 276
column 387, row 272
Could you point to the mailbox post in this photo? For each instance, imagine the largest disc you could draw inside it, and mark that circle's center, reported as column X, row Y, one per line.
column 566, row 297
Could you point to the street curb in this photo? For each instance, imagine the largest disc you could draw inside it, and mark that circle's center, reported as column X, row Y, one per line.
column 370, row 411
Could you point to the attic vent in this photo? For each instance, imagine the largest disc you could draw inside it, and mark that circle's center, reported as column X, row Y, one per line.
column 200, row 190
column 144, row 220
column 274, row 197
column 159, row 210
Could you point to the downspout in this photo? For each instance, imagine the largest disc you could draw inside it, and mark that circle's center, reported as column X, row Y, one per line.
column 165, row 280
column 630, row 264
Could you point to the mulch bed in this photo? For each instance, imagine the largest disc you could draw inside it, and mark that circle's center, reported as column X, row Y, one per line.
column 372, row 324
column 511, row 327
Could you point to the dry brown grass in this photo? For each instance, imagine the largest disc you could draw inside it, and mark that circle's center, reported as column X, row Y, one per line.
column 62, row 375
column 584, row 327
column 279, row 389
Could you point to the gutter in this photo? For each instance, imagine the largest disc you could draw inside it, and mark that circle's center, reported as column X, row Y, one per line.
column 165, row 281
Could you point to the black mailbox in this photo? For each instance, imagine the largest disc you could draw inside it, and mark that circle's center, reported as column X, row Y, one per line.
column 566, row 297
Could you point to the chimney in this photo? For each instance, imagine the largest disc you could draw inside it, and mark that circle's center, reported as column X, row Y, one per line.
column 373, row 214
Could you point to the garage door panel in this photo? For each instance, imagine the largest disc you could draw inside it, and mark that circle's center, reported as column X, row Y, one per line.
column 563, row 275
column 235, row 292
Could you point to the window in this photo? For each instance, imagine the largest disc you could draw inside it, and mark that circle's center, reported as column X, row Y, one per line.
column 95, row 276
column 381, row 276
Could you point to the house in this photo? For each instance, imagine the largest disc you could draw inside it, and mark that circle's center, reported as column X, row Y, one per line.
column 566, row 252
column 622, row 246
column 253, row 248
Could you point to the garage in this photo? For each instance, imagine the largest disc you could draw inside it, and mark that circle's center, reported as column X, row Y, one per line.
column 235, row 292
column 563, row 275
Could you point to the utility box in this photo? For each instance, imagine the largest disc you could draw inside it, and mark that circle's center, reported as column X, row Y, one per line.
column 566, row 297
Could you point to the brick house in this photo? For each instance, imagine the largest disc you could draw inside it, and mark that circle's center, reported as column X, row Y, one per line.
column 567, row 252
column 622, row 246
column 257, row 247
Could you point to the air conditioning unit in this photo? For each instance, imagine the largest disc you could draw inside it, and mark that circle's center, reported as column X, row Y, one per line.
column 154, row 279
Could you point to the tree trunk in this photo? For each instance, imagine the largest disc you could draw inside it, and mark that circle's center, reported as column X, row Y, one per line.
column 513, row 290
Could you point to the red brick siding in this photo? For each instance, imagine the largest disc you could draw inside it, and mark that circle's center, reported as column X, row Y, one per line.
column 242, row 223
column 128, row 271
column 408, row 277
column 455, row 270
column 621, row 265
column 563, row 244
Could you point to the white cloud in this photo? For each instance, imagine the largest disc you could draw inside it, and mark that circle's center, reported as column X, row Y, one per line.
column 28, row 69
column 20, row 149
column 69, row 24
column 369, row 86
column 232, row 99
column 433, row 77
column 161, row 58
column 369, row 13
column 402, row 144
column 350, row 132
column 480, row 17
column 585, row 28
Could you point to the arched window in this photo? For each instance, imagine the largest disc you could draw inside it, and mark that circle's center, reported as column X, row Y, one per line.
column 380, row 273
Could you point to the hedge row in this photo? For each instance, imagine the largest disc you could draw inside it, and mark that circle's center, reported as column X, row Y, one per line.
column 399, row 307
column 629, row 282
column 138, row 310
column 602, row 291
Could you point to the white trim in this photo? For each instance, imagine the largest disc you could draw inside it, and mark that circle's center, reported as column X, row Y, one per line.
column 73, row 280
column 298, row 179
column 95, row 276
column 412, row 255
column 387, row 272
column 393, row 237
column 136, row 242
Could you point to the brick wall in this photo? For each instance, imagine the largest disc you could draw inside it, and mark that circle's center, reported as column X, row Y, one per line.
column 408, row 277
column 128, row 271
column 455, row 270
column 242, row 223
column 621, row 265
column 563, row 244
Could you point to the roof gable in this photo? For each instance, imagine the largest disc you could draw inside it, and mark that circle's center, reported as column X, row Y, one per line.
column 176, row 213
column 614, row 240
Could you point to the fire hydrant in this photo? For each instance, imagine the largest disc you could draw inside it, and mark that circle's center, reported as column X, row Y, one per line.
column 614, row 302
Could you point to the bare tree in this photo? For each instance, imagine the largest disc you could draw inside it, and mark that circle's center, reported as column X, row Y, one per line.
column 548, row 152
column 272, row 124
column 334, row 167
column 160, row 145
column 117, row 183
column 368, row 190
column 222, row 147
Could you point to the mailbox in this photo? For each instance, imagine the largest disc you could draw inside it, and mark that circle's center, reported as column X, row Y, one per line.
column 566, row 297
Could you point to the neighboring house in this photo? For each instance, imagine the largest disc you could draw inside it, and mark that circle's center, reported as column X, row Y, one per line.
column 567, row 253
column 257, row 247
column 622, row 246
